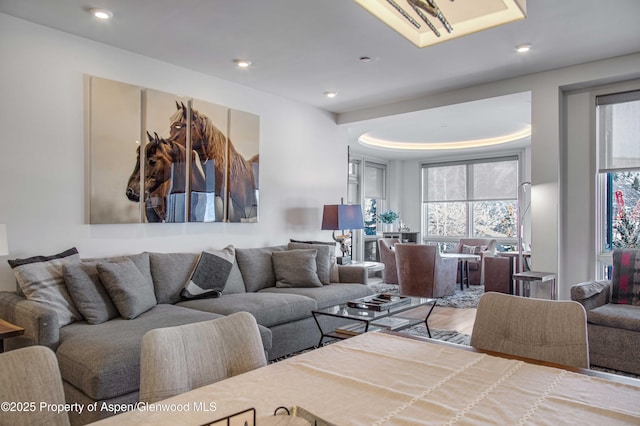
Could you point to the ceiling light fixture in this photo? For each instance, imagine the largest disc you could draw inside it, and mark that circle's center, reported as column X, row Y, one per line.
column 330, row 94
column 103, row 14
column 429, row 146
column 427, row 22
column 523, row 48
column 242, row 63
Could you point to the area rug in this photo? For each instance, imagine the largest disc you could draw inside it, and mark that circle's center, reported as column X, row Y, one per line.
column 446, row 335
column 467, row 298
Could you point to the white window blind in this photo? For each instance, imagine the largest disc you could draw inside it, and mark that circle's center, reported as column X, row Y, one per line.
column 374, row 180
column 497, row 180
column 618, row 131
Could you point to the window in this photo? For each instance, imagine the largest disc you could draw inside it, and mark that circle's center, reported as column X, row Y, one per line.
column 374, row 195
column 618, row 140
column 470, row 199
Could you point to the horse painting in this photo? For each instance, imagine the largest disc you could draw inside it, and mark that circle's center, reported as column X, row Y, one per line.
column 164, row 173
column 237, row 175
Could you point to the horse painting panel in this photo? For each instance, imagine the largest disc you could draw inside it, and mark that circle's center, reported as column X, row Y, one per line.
column 234, row 175
column 164, row 174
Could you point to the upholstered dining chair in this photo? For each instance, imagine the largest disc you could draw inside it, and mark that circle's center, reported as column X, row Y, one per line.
column 545, row 330
column 175, row 360
column 31, row 375
column 422, row 272
column 388, row 257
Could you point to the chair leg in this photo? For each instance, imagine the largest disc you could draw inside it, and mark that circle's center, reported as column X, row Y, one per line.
column 426, row 319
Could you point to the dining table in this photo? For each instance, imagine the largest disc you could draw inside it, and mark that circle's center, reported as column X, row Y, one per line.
column 387, row 378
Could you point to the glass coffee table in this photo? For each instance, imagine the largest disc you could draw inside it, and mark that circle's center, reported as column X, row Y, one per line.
column 364, row 320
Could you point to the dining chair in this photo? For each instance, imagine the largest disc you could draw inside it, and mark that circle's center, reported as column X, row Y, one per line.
column 388, row 257
column 175, row 360
column 29, row 377
column 422, row 272
column 545, row 330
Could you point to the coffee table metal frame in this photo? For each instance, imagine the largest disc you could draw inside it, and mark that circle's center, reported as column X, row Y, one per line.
column 368, row 317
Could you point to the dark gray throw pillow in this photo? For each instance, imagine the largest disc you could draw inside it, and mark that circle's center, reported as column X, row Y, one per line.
column 88, row 293
column 129, row 290
column 296, row 268
column 323, row 259
column 210, row 275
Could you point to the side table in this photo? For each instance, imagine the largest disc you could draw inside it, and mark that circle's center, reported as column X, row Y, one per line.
column 8, row 330
column 532, row 276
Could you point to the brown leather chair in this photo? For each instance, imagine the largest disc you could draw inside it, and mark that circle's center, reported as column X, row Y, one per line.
column 388, row 257
column 422, row 272
column 498, row 274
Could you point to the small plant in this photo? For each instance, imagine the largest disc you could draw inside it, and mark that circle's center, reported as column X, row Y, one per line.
column 388, row 217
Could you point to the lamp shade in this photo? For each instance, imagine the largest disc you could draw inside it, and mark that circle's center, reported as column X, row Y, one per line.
column 342, row 216
column 4, row 244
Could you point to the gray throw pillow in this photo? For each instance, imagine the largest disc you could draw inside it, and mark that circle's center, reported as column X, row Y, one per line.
column 334, row 274
column 41, row 279
column 296, row 268
column 210, row 275
column 129, row 290
column 88, row 293
column 256, row 267
column 323, row 259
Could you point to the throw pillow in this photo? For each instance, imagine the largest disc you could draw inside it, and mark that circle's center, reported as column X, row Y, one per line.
column 256, row 267
column 296, row 268
column 41, row 279
column 625, row 285
column 324, row 259
column 129, row 290
column 88, row 292
column 210, row 275
column 470, row 249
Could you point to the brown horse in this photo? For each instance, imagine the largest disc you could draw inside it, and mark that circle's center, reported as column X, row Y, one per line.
column 211, row 144
column 164, row 172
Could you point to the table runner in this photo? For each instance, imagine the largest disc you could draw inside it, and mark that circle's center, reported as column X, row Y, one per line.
column 382, row 379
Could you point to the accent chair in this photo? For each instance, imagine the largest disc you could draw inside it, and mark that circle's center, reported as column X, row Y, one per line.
column 388, row 257
column 422, row 272
column 27, row 375
column 546, row 330
column 175, row 360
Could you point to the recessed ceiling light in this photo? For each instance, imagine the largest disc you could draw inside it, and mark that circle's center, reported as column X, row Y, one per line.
column 522, row 48
column 102, row 13
column 365, row 59
column 330, row 94
column 242, row 63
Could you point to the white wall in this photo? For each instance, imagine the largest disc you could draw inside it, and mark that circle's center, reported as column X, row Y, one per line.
column 547, row 144
column 43, row 149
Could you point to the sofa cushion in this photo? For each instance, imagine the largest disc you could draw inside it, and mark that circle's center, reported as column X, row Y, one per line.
column 256, row 267
column 327, row 295
column 269, row 309
column 334, row 275
column 616, row 316
column 41, row 279
column 104, row 360
column 325, row 260
column 625, row 284
column 170, row 271
column 88, row 292
column 296, row 268
column 129, row 290
column 210, row 275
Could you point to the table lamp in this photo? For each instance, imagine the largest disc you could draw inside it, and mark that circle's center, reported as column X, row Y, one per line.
column 342, row 217
column 4, row 244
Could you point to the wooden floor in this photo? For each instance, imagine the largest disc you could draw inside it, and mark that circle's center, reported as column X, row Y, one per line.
column 457, row 319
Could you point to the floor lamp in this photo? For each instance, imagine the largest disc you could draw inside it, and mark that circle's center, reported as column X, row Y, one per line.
column 522, row 190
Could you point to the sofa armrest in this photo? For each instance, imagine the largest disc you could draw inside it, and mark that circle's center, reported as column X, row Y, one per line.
column 40, row 323
column 591, row 294
column 353, row 274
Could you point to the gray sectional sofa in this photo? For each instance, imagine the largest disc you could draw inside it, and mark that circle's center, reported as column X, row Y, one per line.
column 100, row 361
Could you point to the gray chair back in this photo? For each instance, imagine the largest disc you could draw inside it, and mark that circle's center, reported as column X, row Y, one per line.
column 546, row 330
column 175, row 360
column 31, row 375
